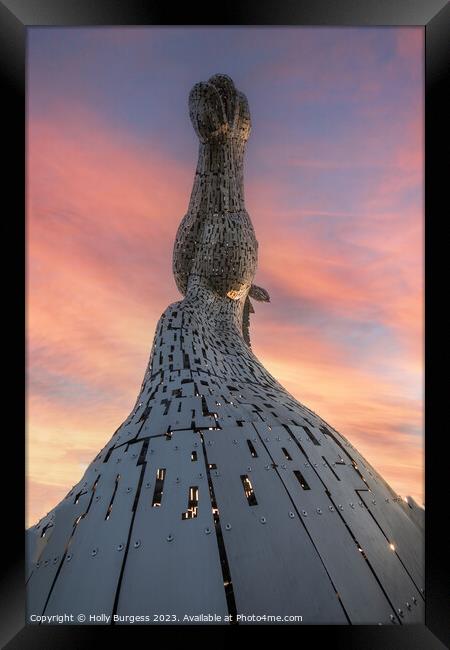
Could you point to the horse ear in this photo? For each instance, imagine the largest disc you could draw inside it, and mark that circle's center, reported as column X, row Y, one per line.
column 258, row 293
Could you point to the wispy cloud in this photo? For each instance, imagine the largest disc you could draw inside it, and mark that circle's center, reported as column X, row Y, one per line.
column 334, row 187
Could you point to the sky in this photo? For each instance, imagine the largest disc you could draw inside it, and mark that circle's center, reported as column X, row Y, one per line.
column 334, row 187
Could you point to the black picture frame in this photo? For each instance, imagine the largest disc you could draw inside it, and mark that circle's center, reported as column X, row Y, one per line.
column 16, row 16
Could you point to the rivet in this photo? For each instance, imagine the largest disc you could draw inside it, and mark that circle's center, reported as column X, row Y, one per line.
column 352, row 505
column 319, row 511
column 46, row 562
column 128, row 489
column 249, row 469
column 137, row 543
column 408, row 606
column 120, row 547
column 177, row 480
column 304, row 513
column 94, row 552
column 267, row 439
column 97, row 498
column 283, row 467
column 147, row 485
column 331, row 508
column 200, row 475
column 414, row 599
column 263, row 520
column 176, row 447
column 55, row 559
column 341, row 507
column 169, row 538
column 392, row 617
column 68, row 558
column 400, row 611
column 291, row 515
column 207, row 531
column 267, row 466
column 234, row 442
column 228, row 526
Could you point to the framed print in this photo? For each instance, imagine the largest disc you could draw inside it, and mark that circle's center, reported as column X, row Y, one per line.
column 234, row 215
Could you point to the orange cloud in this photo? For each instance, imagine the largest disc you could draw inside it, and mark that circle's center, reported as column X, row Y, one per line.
column 102, row 210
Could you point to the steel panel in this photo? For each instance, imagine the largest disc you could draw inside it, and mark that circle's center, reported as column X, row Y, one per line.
column 50, row 556
column 180, row 576
column 94, row 548
column 276, row 553
column 399, row 530
column 361, row 596
column 394, row 579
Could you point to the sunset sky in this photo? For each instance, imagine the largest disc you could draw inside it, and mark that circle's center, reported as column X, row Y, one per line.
column 334, row 187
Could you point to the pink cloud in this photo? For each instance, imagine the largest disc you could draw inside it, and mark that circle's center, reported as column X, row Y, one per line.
column 102, row 214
